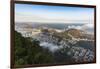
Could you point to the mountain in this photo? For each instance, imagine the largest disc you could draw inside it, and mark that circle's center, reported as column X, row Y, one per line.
column 76, row 33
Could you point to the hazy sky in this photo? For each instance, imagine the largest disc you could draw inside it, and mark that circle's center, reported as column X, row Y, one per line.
column 53, row 14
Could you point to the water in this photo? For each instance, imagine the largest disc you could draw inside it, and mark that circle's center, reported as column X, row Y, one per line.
column 61, row 26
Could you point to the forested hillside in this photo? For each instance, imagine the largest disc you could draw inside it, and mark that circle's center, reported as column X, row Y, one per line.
column 28, row 51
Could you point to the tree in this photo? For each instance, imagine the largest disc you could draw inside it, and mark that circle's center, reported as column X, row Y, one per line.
column 28, row 51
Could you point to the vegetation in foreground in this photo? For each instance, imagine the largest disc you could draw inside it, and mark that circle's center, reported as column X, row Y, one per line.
column 27, row 51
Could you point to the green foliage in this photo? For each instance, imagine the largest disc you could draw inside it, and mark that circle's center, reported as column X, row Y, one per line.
column 28, row 51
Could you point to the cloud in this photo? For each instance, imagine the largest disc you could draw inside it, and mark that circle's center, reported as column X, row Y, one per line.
column 50, row 46
column 52, row 14
column 29, row 17
column 89, row 26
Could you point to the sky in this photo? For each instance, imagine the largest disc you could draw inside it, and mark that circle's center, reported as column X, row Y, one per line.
column 53, row 14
